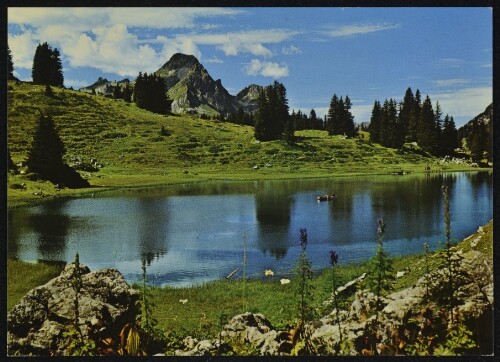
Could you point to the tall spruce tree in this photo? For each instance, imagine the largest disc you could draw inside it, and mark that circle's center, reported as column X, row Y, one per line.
column 375, row 120
column 348, row 119
column 262, row 118
column 45, row 156
column 10, row 64
column 414, row 118
column 127, row 93
column 332, row 118
column 449, row 136
column 57, row 76
column 272, row 118
column 47, row 67
column 426, row 136
column 406, row 113
column 150, row 93
column 340, row 121
column 438, row 128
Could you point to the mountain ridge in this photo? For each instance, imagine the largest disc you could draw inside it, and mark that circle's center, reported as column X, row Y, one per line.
column 192, row 89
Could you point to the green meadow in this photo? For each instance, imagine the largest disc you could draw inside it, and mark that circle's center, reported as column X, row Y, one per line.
column 127, row 143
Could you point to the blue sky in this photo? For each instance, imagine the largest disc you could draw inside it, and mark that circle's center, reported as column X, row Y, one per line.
column 367, row 53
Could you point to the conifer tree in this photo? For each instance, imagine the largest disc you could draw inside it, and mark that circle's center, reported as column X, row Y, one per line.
column 47, row 150
column 272, row 116
column 426, row 136
column 150, row 93
column 406, row 113
column 117, row 92
column 414, row 118
column 348, row 118
column 332, row 119
column 375, row 120
column 477, row 141
column 438, row 113
column 47, row 67
column 57, row 77
column 10, row 64
column 449, row 136
column 45, row 156
column 340, row 120
column 314, row 121
column 262, row 118
column 127, row 93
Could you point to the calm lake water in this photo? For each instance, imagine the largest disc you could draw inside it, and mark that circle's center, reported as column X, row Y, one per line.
column 195, row 233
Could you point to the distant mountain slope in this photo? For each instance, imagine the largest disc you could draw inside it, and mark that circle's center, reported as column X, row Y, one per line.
column 104, row 86
column 248, row 97
column 486, row 117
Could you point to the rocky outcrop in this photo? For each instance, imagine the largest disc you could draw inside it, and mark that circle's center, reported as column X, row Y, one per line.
column 399, row 322
column 104, row 86
column 248, row 97
column 37, row 324
column 256, row 330
column 251, row 329
column 204, row 347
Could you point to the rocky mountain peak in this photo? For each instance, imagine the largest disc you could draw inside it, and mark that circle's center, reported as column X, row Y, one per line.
column 179, row 60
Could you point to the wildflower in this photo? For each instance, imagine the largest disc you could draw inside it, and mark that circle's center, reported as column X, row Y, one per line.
column 334, row 257
column 183, row 301
column 303, row 238
column 381, row 227
column 268, row 273
column 284, row 281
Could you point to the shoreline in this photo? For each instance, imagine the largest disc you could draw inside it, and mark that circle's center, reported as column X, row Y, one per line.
column 13, row 203
column 260, row 293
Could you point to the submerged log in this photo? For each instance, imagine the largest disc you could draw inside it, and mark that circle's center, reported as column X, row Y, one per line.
column 232, row 273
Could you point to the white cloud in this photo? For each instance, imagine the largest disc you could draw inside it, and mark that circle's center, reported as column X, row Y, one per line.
column 23, row 48
column 87, row 18
column 252, row 41
column 452, row 62
column 266, row 69
column 214, row 60
column 114, row 49
column 182, row 45
column 450, row 82
column 76, row 84
column 350, row 30
column 106, row 38
column 465, row 103
column 362, row 112
column 290, row 50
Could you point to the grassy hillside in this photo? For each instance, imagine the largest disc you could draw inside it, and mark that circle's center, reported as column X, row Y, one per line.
column 126, row 140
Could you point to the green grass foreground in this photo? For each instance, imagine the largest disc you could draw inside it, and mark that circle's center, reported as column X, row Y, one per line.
column 23, row 276
column 126, row 141
column 207, row 303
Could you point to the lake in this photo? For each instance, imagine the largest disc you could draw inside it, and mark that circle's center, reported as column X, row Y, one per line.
column 194, row 233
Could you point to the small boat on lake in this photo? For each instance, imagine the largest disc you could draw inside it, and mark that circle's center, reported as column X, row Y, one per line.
column 326, row 197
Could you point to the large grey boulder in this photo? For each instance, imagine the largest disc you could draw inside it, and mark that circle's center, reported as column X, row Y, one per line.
column 36, row 325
